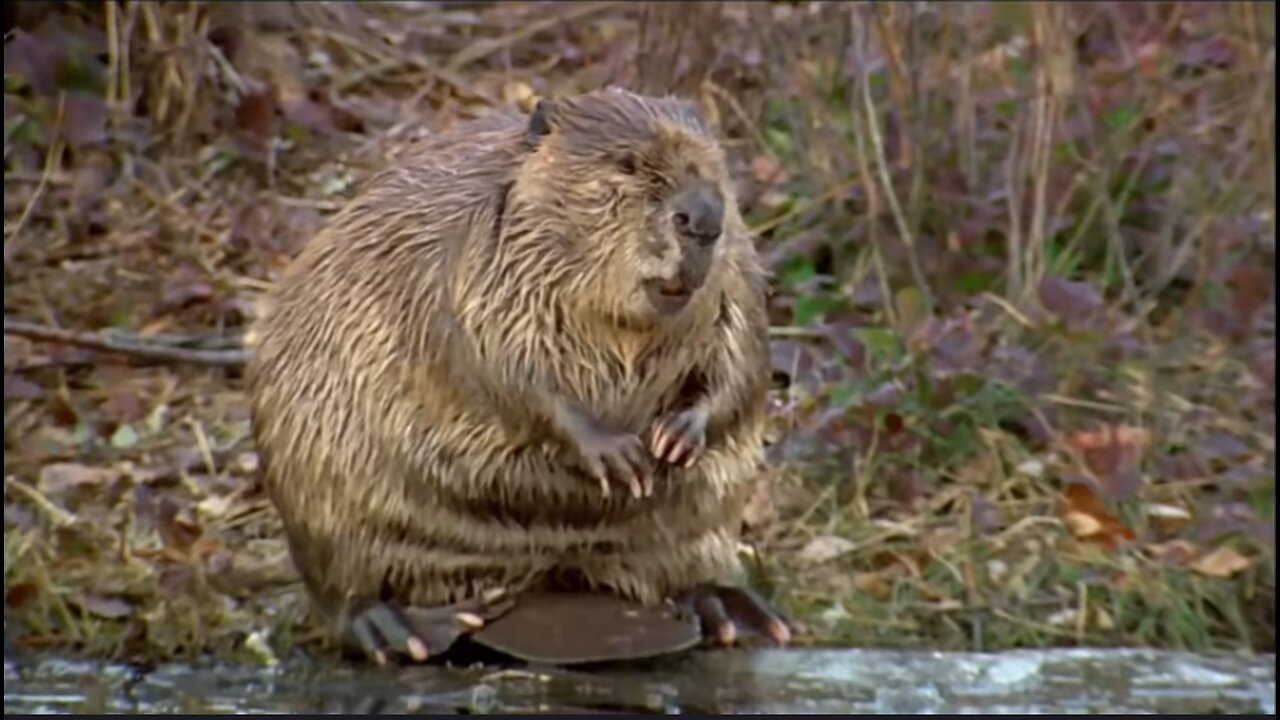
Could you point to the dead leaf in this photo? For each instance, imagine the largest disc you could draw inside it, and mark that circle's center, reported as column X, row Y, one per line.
column 252, row 228
column 768, row 171
column 912, row 311
column 1103, row 620
column 58, row 479
column 824, row 548
column 1221, row 447
column 254, row 120
column 1112, row 456
column 19, row 594
column 1175, row 552
column 1082, row 525
column 1221, row 563
column 214, row 506
column 873, row 584
column 1063, row 618
column 84, row 118
column 904, row 485
column 17, row 387
column 103, row 607
column 1166, row 519
column 1089, row 519
column 1073, row 301
column 185, row 286
column 179, row 533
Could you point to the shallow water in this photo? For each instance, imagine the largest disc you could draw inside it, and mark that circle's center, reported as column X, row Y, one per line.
column 744, row 681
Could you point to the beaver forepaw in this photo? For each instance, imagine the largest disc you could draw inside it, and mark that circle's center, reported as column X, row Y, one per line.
column 384, row 630
column 680, row 436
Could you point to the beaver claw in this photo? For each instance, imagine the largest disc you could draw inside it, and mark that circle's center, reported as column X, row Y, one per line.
column 617, row 458
column 384, row 630
column 680, row 436
column 724, row 610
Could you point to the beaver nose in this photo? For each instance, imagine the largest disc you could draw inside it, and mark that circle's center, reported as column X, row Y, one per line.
column 698, row 214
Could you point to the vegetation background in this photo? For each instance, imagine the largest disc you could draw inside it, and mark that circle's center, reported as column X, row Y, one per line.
column 1023, row 308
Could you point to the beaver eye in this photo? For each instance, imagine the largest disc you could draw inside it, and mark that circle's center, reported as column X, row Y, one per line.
column 627, row 164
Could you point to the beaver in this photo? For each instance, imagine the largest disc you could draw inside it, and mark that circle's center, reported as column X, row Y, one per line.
column 530, row 353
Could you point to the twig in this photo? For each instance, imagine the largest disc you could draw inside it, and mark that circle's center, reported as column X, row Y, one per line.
column 51, row 160
column 57, row 515
column 483, row 49
column 97, row 341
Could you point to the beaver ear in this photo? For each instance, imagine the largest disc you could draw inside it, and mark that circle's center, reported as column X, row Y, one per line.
column 540, row 121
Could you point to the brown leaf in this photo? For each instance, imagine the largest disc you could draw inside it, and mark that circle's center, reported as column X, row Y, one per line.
column 873, row 584
column 18, row 594
column 254, row 119
column 1112, row 455
column 1089, row 519
column 905, row 488
column 84, row 118
column 178, row 533
column 1221, row 563
column 1072, row 300
column 1251, row 286
column 1175, row 552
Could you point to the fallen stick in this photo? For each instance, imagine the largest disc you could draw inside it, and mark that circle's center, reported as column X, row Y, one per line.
column 97, row 341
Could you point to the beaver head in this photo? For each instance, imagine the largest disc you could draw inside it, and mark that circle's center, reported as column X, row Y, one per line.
column 639, row 188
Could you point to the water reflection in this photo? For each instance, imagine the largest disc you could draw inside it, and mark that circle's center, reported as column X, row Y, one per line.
column 762, row 681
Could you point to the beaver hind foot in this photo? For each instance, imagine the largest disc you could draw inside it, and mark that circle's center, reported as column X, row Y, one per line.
column 725, row 610
column 383, row 630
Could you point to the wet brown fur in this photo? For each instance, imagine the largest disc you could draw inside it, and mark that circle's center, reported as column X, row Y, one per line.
column 392, row 376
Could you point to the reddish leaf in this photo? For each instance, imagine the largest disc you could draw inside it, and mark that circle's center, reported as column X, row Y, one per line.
column 254, row 117
column 1251, row 286
column 1072, row 300
column 1112, row 455
column 1089, row 519
column 905, row 488
column 19, row 594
